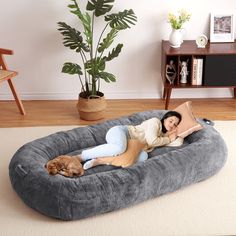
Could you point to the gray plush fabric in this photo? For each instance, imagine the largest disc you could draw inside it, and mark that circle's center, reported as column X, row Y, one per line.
column 106, row 188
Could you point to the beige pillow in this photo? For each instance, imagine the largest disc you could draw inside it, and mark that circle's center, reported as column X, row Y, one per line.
column 188, row 123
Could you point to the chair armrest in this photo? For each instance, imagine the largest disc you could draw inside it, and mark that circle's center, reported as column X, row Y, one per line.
column 6, row 51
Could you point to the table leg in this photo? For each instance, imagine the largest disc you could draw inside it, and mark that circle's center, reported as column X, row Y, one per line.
column 164, row 93
column 168, row 93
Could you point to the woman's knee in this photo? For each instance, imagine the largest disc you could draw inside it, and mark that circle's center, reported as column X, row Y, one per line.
column 117, row 136
column 118, row 149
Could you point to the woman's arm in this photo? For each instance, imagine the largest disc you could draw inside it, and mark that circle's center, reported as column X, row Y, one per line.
column 172, row 135
column 153, row 134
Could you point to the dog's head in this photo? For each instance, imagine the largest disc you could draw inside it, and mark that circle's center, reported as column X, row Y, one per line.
column 53, row 167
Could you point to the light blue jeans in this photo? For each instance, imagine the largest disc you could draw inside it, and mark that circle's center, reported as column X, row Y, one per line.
column 116, row 139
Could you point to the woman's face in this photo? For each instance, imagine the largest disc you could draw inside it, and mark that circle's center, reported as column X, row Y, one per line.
column 171, row 122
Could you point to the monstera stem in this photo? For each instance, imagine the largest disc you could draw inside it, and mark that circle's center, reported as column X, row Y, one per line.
column 92, row 27
column 100, row 39
column 94, row 89
column 83, row 57
column 99, row 84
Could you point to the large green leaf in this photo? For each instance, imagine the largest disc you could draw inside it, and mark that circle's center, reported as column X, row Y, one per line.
column 71, row 68
column 108, row 40
column 114, row 53
column 85, row 20
column 72, row 38
column 121, row 20
column 95, row 66
column 87, row 23
column 75, row 9
column 108, row 77
column 100, row 7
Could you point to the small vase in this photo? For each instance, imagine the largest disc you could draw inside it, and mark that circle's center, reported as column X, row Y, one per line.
column 176, row 38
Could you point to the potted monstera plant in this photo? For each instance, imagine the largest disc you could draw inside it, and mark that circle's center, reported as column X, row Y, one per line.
column 94, row 52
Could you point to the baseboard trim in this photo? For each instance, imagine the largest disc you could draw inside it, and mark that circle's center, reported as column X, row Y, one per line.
column 176, row 93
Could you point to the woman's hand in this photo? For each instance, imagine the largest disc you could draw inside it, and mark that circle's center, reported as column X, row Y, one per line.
column 172, row 135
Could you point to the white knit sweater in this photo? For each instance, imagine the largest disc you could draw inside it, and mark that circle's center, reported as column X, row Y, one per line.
column 150, row 133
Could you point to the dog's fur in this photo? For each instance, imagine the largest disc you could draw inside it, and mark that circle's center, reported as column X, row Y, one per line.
column 68, row 166
column 126, row 159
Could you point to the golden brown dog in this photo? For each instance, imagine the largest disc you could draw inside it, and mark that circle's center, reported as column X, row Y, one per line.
column 126, row 159
column 68, row 166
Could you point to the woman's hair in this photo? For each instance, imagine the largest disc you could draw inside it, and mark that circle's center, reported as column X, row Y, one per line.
column 169, row 114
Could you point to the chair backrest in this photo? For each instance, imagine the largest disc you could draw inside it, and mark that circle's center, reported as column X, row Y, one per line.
column 7, row 75
column 3, row 51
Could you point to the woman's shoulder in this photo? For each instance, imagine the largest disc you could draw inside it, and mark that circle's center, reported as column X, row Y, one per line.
column 153, row 120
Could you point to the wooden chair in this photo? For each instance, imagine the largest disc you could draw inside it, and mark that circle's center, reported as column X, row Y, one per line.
column 7, row 75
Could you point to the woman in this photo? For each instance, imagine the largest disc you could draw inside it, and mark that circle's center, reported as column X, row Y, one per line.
column 150, row 133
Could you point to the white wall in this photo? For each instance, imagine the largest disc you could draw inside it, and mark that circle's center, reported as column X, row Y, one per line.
column 29, row 27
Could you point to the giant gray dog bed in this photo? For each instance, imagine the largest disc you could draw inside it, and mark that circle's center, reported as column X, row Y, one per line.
column 106, row 188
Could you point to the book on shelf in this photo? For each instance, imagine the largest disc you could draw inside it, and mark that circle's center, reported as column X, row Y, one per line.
column 194, row 77
column 197, row 71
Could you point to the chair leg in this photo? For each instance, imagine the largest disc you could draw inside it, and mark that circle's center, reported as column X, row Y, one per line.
column 17, row 99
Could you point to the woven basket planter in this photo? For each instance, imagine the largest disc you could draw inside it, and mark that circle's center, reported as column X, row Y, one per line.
column 92, row 108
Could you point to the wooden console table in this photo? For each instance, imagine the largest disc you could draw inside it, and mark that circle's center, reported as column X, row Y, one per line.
column 218, row 67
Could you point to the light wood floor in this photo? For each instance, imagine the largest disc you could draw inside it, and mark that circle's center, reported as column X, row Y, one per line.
column 47, row 113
